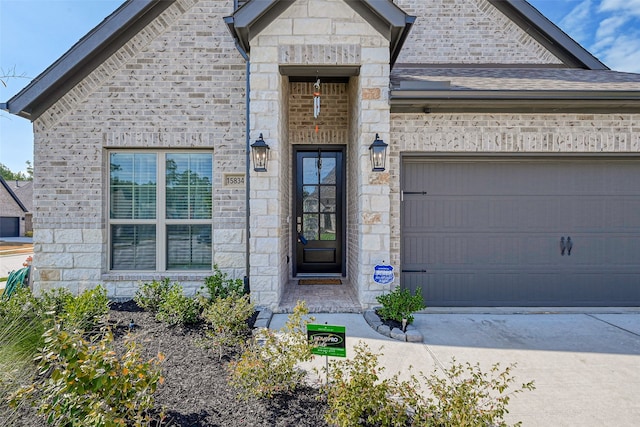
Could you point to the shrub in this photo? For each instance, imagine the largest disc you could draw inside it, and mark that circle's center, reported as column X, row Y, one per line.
column 178, row 309
column 466, row 396
column 220, row 285
column 86, row 310
column 400, row 304
column 21, row 304
column 150, row 296
column 356, row 395
column 227, row 321
column 55, row 300
column 85, row 383
column 267, row 366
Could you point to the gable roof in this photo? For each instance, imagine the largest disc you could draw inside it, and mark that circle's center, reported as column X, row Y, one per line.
column 13, row 195
column 548, row 34
column 383, row 15
column 133, row 15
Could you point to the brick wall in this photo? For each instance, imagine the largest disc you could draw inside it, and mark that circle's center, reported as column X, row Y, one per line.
column 333, row 122
column 467, row 32
column 178, row 84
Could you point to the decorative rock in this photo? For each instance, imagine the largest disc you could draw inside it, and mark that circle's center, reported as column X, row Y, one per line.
column 264, row 313
column 413, row 335
column 372, row 319
column 384, row 330
column 264, row 318
column 397, row 334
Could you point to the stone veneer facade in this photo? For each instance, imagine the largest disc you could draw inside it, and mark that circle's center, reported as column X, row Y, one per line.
column 315, row 33
column 180, row 84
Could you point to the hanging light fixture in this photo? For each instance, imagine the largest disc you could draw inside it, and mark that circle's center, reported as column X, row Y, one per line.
column 260, row 154
column 378, row 154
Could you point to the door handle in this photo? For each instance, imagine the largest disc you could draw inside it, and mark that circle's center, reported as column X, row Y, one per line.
column 302, row 239
column 569, row 245
column 563, row 246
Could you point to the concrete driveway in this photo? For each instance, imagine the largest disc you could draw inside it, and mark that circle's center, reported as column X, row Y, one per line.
column 586, row 366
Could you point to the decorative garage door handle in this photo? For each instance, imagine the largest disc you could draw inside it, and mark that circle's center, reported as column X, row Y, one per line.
column 566, row 245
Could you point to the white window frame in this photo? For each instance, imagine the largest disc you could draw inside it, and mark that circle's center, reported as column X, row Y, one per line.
column 161, row 222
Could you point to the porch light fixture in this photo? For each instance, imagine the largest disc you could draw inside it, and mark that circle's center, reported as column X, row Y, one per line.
column 260, row 154
column 378, row 153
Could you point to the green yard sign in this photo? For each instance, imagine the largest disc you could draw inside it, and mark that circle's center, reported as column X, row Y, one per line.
column 327, row 340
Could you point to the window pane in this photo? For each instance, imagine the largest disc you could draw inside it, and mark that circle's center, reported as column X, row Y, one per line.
column 310, row 170
column 310, row 226
column 328, row 198
column 310, row 198
column 189, row 247
column 328, row 171
column 133, row 247
column 189, row 186
column 327, row 226
column 132, row 186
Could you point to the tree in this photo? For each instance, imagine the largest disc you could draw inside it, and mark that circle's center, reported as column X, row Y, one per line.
column 8, row 175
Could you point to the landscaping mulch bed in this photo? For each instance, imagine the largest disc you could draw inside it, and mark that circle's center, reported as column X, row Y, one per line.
column 195, row 392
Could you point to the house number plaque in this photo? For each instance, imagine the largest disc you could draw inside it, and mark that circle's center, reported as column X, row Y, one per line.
column 234, row 180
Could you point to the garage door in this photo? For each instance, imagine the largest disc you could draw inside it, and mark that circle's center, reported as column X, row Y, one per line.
column 9, row 226
column 534, row 232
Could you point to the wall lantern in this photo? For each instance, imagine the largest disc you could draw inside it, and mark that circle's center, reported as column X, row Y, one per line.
column 378, row 153
column 260, row 154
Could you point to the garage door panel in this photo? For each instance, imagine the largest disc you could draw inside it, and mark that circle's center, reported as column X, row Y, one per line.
column 510, row 289
column 487, row 232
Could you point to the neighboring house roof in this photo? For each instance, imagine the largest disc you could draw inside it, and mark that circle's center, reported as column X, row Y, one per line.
column 473, row 88
column 133, row 15
column 383, row 15
column 24, row 191
column 13, row 195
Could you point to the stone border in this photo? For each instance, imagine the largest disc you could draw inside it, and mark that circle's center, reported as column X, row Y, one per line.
column 264, row 318
column 411, row 335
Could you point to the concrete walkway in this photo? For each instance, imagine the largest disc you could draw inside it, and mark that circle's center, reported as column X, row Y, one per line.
column 586, row 366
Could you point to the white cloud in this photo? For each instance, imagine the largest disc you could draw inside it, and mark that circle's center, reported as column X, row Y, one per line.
column 617, row 39
column 576, row 22
column 610, row 26
column 623, row 53
column 626, row 6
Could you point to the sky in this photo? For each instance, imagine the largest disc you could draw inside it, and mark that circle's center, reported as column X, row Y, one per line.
column 35, row 33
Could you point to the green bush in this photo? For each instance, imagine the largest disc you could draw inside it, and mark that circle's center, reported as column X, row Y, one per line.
column 85, row 383
column 400, row 304
column 220, row 285
column 178, row 309
column 267, row 366
column 226, row 320
column 357, row 397
column 85, row 311
column 150, row 296
column 466, row 396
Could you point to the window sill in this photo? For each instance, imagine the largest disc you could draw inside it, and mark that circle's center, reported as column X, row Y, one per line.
column 152, row 275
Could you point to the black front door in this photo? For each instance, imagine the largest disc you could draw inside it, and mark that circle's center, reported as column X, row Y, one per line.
column 319, row 204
